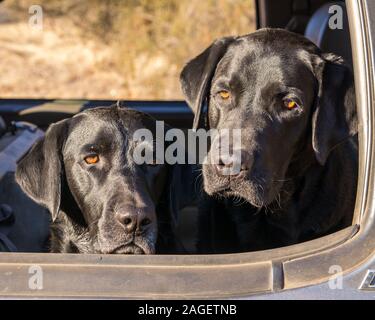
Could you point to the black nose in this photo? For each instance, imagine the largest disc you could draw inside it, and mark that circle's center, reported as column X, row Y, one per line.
column 134, row 221
column 233, row 165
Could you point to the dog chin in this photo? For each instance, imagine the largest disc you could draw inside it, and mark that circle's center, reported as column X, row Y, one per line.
column 139, row 246
column 254, row 200
column 129, row 249
column 245, row 191
column 147, row 246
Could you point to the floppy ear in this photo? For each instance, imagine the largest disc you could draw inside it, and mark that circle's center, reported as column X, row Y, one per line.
column 335, row 118
column 196, row 76
column 39, row 172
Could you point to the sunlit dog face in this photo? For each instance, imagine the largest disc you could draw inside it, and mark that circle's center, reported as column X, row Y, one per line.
column 270, row 85
column 270, row 100
column 92, row 153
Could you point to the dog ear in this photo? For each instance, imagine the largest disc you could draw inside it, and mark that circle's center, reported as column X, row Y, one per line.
column 196, row 76
column 39, row 172
column 334, row 119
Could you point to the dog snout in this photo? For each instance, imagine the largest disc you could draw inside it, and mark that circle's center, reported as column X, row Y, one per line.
column 233, row 164
column 134, row 222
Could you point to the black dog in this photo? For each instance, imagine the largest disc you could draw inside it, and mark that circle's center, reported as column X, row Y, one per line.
column 100, row 200
column 296, row 109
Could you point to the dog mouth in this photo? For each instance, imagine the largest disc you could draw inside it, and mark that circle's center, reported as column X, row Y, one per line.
column 254, row 190
column 138, row 246
column 253, row 193
column 128, row 249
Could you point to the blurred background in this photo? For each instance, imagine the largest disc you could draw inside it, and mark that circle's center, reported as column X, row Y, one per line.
column 110, row 49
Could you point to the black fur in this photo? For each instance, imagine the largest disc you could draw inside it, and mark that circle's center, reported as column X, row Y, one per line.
column 89, row 202
column 299, row 179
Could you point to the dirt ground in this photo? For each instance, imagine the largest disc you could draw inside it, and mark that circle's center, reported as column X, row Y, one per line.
column 59, row 62
column 55, row 62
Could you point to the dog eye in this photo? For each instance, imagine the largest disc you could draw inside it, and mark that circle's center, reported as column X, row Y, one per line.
column 225, row 95
column 92, row 159
column 290, row 104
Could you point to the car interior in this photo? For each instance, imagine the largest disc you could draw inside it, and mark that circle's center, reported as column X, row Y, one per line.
column 26, row 224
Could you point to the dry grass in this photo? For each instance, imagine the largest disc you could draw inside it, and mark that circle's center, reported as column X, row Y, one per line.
column 109, row 49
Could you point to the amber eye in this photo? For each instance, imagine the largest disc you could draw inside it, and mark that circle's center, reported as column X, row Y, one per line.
column 224, row 94
column 290, row 104
column 92, row 159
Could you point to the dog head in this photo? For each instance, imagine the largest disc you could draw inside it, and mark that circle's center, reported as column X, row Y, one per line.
column 89, row 159
column 285, row 96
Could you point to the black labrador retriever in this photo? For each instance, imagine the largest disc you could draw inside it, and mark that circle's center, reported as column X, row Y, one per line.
column 100, row 200
column 296, row 110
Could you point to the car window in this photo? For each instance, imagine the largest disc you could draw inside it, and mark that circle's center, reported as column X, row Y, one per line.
column 95, row 36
